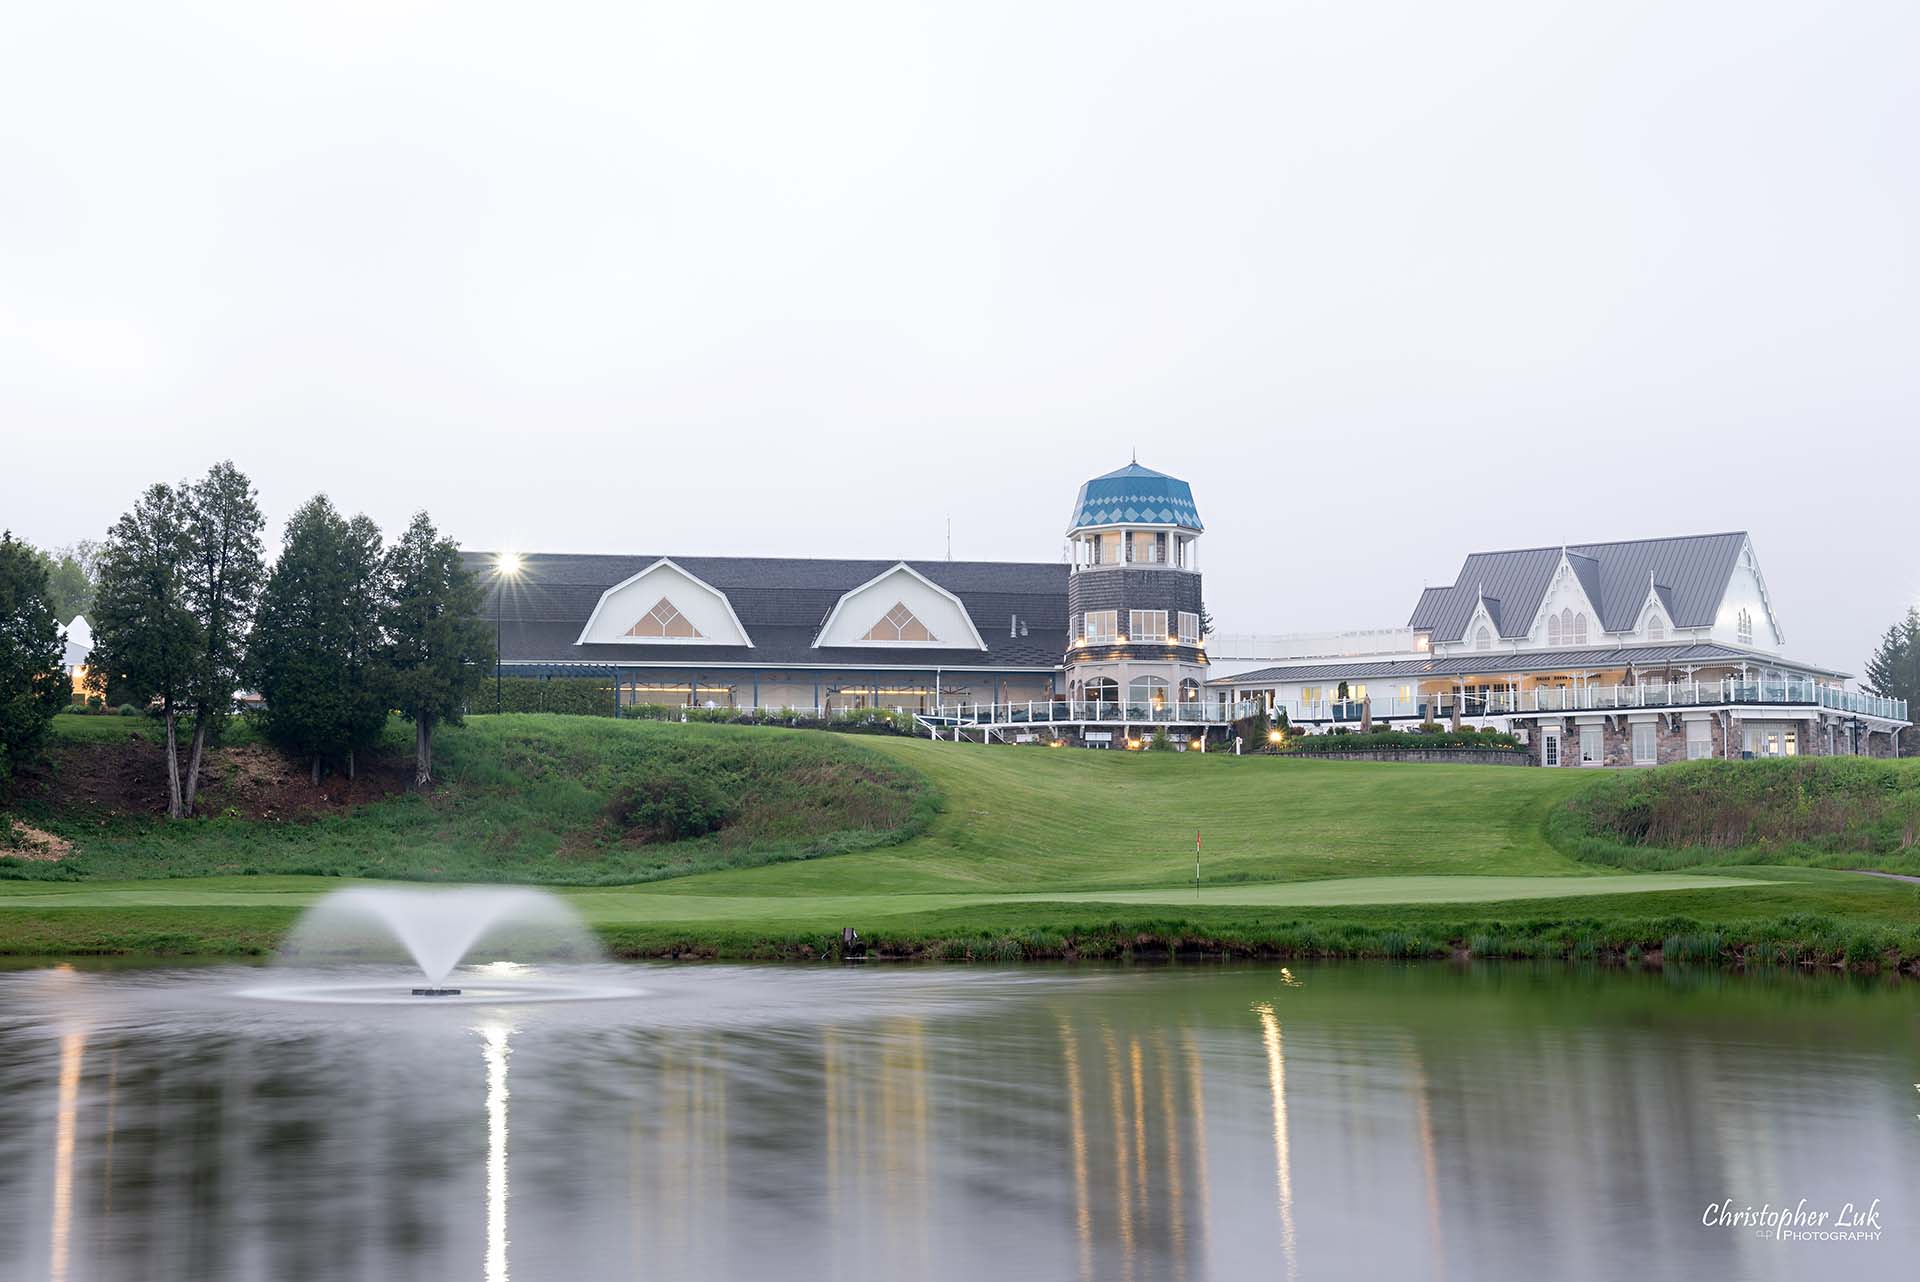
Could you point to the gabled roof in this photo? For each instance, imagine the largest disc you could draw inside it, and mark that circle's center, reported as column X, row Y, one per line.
column 1135, row 495
column 1645, row 658
column 1692, row 569
column 781, row 602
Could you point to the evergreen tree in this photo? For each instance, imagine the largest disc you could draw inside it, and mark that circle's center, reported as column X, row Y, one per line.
column 1894, row 670
column 437, row 647
column 297, row 650
column 224, row 570
column 33, row 678
column 315, row 649
column 146, row 641
column 368, row 682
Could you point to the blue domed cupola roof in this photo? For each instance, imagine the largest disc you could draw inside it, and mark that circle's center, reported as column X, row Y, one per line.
column 1135, row 495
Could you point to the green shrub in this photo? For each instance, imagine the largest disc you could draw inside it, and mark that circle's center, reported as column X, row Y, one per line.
column 671, row 804
column 1345, row 740
column 1836, row 811
column 127, row 710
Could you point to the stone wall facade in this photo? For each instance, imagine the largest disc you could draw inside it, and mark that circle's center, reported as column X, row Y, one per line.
column 1726, row 734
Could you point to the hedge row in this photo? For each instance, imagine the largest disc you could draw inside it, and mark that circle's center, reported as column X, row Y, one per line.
column 594, row 697
column 1339, row 741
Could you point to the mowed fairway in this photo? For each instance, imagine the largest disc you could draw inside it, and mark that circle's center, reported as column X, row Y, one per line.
column 1040, row 852
column 1027, row 819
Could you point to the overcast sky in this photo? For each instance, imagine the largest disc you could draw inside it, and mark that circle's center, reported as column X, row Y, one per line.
column 1388, row 283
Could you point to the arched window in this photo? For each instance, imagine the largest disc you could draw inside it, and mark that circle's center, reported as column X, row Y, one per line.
column 1553, row 629
column 1656, row 627
column 1189, row 691
column 1746, row 628
column 1483, row 639
column 1146, row 693
column 664, row 621
column 1579, row 630
column 1103, row 690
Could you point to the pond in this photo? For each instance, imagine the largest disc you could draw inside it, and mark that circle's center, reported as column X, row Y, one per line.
column 1186, row 1122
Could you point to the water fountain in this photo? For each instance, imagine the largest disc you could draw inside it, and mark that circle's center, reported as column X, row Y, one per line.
column 520, row 943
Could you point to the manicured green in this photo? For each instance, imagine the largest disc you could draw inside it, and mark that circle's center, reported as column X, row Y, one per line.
column 1039, row 852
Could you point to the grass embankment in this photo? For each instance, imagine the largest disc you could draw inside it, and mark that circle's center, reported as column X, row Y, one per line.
column 545, row 800
column 1831, row 812
column 1041, row 853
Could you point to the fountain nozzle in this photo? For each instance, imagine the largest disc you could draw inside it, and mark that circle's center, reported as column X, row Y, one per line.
column 436, row 992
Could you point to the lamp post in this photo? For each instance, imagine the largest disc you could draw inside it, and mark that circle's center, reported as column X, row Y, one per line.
column 506, row 568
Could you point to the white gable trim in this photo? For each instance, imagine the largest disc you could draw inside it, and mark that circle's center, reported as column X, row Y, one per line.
column 1595, row 628
column 681, row 570
column 900, row 567
column 1752, row 560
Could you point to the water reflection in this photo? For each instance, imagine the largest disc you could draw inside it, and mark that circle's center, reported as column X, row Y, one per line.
column 493, row 1039
column 73, row 1048
column 1282, row 1159
column 1079, row 1124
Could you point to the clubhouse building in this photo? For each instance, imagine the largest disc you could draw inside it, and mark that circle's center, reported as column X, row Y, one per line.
column 1595, row 654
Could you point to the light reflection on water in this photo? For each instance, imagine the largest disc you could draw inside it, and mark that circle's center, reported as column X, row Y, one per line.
column 743, row 1122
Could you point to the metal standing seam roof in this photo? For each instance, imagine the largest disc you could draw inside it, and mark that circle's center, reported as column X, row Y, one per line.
column 1502, row 662
column 1692, row 569
column 781, row 602
column 1135, row 495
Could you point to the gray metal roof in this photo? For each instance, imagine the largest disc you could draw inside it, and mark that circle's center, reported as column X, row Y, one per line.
column 1503, row 663
column 1692, row 569
column 781, row 601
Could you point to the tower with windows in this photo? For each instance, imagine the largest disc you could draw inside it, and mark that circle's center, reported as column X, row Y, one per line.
column 1133, row 598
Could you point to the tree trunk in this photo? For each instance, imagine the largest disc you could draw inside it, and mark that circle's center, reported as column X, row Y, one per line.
column 422, row 752
column 193, row 764
column 316, row 770
column 173, row 767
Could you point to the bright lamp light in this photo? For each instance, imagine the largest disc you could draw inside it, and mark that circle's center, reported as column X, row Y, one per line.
column 508, row 565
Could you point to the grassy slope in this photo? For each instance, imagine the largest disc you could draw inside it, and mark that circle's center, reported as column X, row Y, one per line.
column 523, row 799
column 1040, row 851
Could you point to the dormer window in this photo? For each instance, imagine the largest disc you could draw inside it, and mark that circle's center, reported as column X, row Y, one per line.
column 664, row 620
column 1744, row 628
column 1483, row 638
column 1656, row 627
column 899, row 624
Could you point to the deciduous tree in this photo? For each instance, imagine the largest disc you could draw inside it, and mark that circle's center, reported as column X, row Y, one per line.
column 437, row 647
column 33, row 679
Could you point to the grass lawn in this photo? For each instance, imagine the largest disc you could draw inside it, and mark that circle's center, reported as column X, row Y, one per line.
column 1041, row 852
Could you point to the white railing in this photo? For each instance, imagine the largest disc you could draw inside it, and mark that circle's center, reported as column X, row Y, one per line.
column 1068, row 711
column 1596, row 698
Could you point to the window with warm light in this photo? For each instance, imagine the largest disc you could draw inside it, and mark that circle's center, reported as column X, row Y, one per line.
column 665, row 621
column 899, row 624
column 1147, row 625
column 1147, row 692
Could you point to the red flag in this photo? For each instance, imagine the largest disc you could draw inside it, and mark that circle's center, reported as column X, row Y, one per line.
column 1196, row 841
